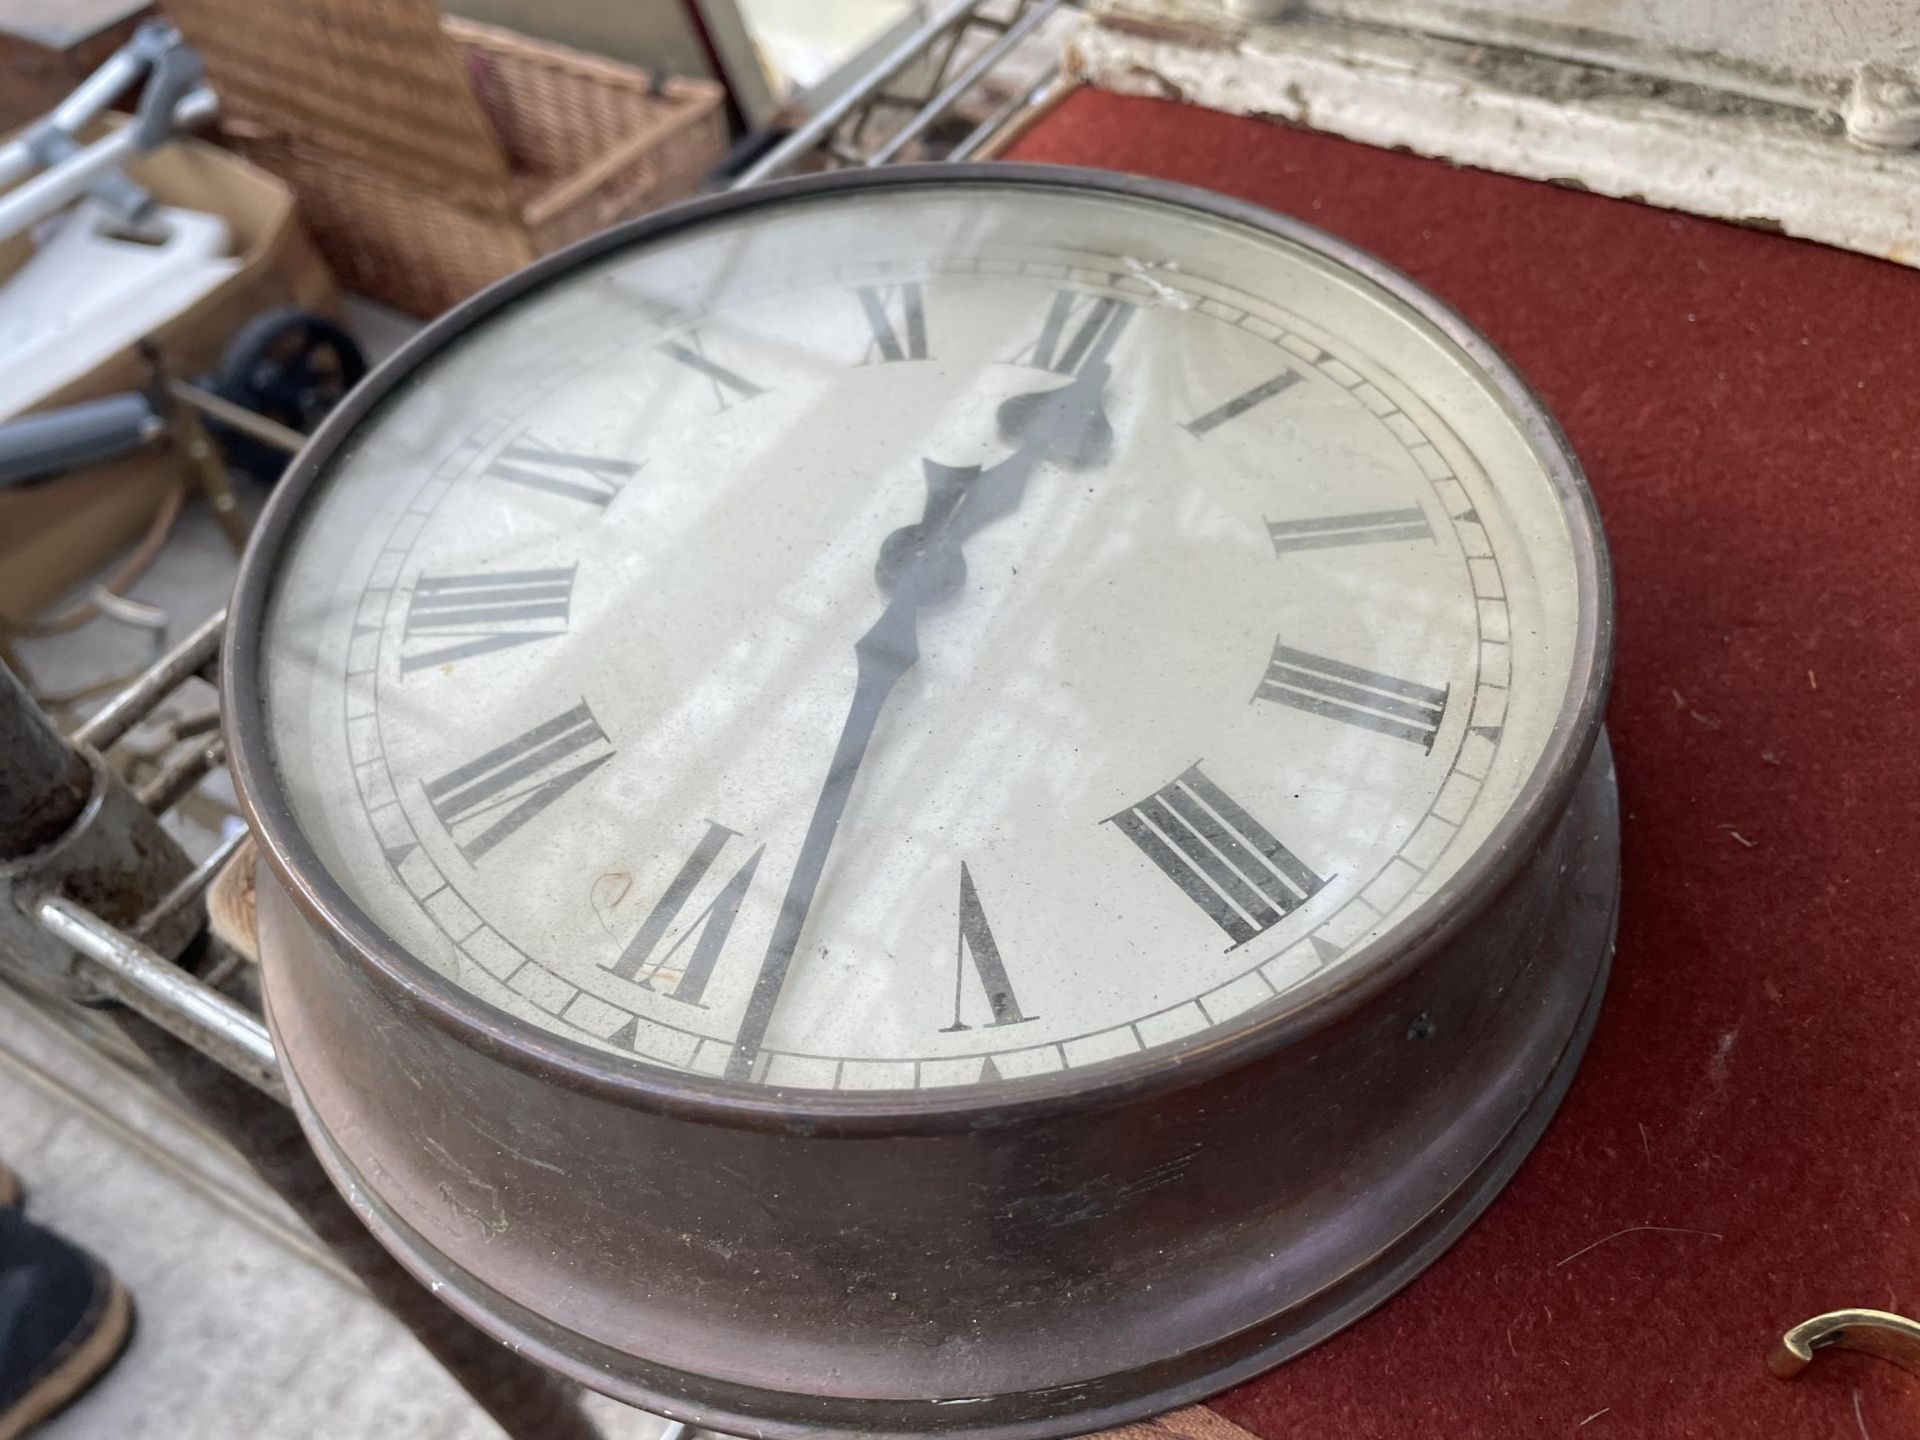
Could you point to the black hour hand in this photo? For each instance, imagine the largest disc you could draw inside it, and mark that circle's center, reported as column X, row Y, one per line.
column 921, row 563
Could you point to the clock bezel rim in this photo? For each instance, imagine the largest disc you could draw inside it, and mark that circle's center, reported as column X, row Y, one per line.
column 575, row 1065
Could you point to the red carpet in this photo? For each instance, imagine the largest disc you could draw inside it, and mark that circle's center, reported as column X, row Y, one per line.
column 1745, row 406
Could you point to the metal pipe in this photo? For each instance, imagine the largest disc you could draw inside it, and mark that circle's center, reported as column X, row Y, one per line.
column 55, row 441
column 161, row 792
column 147, row 982
column 21, row 156
column 33, row 200
column 136, row 702
column 130, row 612
column 778, row 160
column 122, row 70
column 194, row 885
column 248, row 422
column 44, row 782
column 968, row 77
column 994, row 125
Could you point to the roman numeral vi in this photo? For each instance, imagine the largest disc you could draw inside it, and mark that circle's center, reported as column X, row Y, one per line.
column 976, row 942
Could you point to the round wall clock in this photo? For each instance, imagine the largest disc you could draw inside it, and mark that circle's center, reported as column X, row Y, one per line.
column 960, row 799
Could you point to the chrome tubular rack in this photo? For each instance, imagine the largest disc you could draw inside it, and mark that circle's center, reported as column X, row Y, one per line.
column 923, row 81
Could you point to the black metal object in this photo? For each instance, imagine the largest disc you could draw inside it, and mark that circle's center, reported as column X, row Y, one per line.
column 285, row 368
column 292, row 367
column 44, row 783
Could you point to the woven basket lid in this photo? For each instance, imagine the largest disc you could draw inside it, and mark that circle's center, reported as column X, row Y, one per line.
column 377, row 83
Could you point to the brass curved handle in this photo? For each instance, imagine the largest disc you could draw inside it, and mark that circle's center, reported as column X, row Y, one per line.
column 1872, row 1332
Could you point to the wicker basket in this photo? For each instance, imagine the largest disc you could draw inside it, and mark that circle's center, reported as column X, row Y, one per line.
column 432, row 156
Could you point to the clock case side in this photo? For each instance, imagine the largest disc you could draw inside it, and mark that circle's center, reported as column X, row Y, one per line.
column 1031, row 1277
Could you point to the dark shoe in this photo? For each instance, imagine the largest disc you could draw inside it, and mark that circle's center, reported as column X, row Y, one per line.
column 63, row 1321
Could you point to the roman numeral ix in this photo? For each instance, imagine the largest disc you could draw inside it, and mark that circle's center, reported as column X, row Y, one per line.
column 1220, row 857
column 904, row 340
column 486, row 800
column 591, row 479
column 1079, row 330
column 976, row 941
column 1372, row 527
column 712, row 926
column 1347, row 693
column 459, row 616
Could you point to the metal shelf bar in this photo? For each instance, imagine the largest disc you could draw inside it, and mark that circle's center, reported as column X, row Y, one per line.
column 951, row 24
column 1002, row 115
column 147, row 982
column 137, row 701
column 969, row 76
column 195, row 884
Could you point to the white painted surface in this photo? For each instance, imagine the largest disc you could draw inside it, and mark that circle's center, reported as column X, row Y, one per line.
column 88, row 293
column 1804, row 48
column 1772, row 165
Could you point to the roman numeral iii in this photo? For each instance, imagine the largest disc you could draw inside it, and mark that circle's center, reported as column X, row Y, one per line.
column 591, row 479
column 976, row 942
column 904, row 338
column 712, row 925
column 1372, row 527
column 1079, row 330
column 1347, row 693
column 455, row 617
column 1219, row 856
column 486, row 800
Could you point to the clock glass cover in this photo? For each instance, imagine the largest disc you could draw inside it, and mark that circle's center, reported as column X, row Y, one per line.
column 920, row 636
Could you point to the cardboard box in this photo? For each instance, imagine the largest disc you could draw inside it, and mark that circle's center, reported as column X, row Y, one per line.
column 55, row 534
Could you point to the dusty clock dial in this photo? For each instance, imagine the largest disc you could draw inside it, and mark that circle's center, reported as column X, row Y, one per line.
column 1242, row 611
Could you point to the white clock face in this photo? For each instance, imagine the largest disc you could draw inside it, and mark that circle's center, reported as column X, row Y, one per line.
column 914, row 637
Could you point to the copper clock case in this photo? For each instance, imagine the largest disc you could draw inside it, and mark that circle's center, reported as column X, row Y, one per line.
column 1020, row 1259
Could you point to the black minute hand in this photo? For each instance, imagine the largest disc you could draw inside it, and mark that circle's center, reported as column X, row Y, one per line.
column 920, row 564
